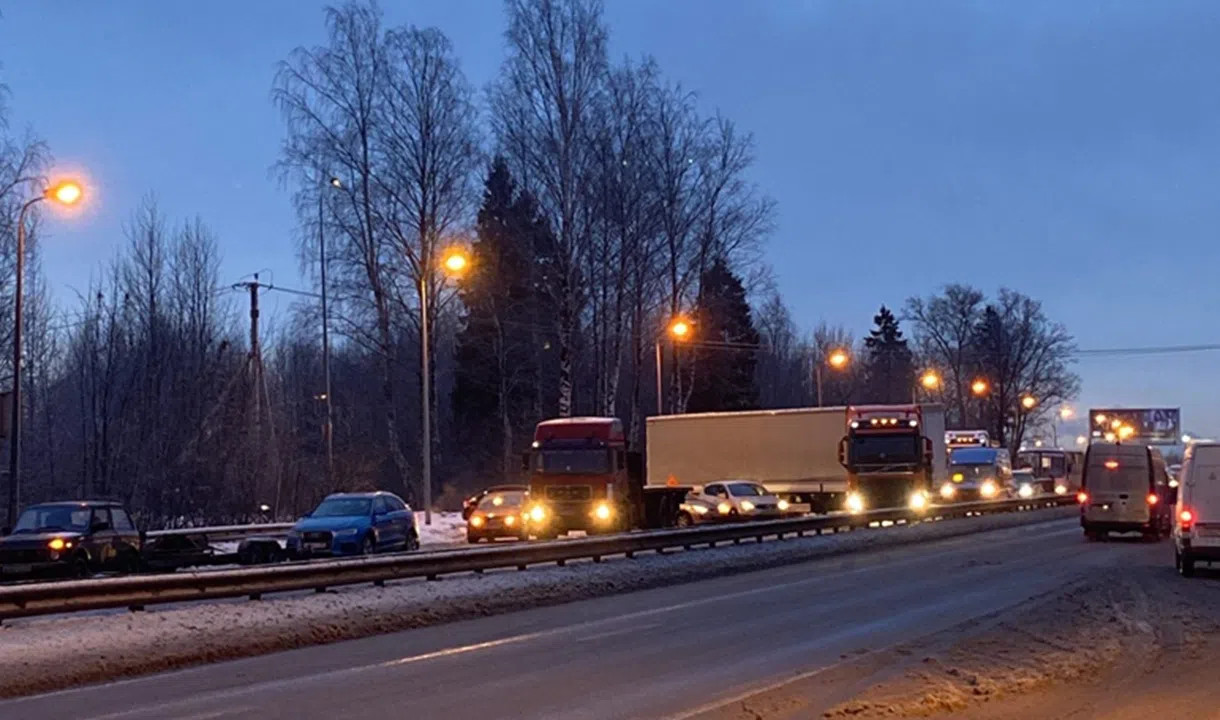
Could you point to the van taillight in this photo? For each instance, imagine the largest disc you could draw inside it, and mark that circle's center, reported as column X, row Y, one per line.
column 1082, row 497
column 1153, row 499
column 1186, row 518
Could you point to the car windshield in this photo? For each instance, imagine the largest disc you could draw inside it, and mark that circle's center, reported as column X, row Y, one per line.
column 746, row 490
column 343, row 507
column 578, row 462
column 50, row 519
column 508, row 499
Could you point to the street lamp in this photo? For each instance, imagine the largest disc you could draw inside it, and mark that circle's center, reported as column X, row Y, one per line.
column 930, row 380
column 1066, row 412
column 454, row 262
column 837, row 360
column 979, row 387
column 329, row 428
column 1028, row 402
column 66, row 193
column 679, row 329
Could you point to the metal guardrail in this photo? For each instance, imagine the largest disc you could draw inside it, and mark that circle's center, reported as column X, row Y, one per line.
column 136, row 592
column 222, row 533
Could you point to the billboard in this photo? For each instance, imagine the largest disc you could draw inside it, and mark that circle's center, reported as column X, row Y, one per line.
column 1151, row 426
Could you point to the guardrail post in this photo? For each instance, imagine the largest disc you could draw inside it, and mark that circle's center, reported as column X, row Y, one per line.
column 379, row 583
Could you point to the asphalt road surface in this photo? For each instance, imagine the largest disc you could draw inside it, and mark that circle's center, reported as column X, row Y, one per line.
column 676, row 652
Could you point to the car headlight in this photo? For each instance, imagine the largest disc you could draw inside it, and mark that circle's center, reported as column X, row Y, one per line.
column 1061, row 490
column 988, row 489
column 346, row 532
column 58, row 544
column 747, row 505
column 700, row 509
column 724, row 508
column 855, row 503
column 947, row 491
column 782, row 505
column 603, row 511
column 510, row 520
column 1026, row 490
column 918, row 500
column 476, row 521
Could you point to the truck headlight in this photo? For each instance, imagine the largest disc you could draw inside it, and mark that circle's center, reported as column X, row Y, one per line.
column 510, row 520
column 947, row 491
column 782, row 505
column 1026, row 490
column 855, row 503
column 537, row 513
column 1062, row 489
column 747, row 505
column 602, row 511
column 988, row 489
column 918, row 500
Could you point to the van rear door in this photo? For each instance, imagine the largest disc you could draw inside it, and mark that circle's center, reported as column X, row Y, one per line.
column 1201, row 491
column 1118, row 487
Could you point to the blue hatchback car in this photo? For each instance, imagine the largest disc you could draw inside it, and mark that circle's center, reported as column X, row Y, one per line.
column 355, row 524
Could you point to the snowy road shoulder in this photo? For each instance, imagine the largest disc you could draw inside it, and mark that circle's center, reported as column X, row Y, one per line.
column 110, row 645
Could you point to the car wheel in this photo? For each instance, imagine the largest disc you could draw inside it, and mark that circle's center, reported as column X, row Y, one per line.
column 472, row 538
column 1092, row 536
column 129, row 564
column 80, row 568
column 685, row 520
column 367, row 546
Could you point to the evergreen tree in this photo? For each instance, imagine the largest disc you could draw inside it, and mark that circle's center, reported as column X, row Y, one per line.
column 723, row 368
column 495, row 361
column 889, row 365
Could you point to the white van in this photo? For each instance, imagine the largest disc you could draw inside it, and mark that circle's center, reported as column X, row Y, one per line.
column 1196, row 532
column 1123, row 490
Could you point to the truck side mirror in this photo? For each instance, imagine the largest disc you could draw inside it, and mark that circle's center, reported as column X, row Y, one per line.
column 843, row 451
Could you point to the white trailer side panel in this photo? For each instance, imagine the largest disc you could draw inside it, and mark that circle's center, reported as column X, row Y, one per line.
column 788, row 450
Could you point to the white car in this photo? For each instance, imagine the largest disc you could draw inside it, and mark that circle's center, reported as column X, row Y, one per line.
column 740, row 500
column 1196, row 526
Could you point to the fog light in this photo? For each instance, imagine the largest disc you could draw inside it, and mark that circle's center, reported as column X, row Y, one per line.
column 782, row 505
column 510, row 520
column 855, row 503
column 1061, row 490
column 476, row 521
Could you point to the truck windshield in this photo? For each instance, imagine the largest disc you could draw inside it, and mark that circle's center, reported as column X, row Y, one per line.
column 577, row 462
column 884, row 449
column 972, row 471
column 51, row 519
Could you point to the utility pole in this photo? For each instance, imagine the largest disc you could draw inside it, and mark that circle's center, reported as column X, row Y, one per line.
column 329, row 427
column 262, row 422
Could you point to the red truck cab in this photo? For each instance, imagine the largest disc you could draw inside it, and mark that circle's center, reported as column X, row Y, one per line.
column 580, row 477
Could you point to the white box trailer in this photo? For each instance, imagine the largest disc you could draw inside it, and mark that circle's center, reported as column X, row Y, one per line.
column 795, row 452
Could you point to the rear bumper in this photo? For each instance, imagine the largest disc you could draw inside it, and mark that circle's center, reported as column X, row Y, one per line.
column 1206, row 553
column 1116, row 526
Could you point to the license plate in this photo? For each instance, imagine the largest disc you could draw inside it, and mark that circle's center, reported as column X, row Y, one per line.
column 16, row 569
column 317, row 546
column 1209, row 532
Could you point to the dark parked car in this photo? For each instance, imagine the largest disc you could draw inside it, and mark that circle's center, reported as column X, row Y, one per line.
column 355, row 524
column 74, row 538
column 472, row 502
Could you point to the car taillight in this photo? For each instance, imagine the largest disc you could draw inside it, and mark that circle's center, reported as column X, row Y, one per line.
column 1153, row 499
column 1082, row 497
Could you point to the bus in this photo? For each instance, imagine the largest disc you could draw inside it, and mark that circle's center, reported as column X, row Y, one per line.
column 1055, row 469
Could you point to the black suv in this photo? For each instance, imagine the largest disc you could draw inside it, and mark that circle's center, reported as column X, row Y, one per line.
column 75, row 539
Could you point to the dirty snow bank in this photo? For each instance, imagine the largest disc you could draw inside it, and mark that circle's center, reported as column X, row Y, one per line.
column 1115, row 624
column 107, row 646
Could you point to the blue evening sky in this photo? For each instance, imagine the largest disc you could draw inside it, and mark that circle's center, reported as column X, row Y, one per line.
column 1065, row 149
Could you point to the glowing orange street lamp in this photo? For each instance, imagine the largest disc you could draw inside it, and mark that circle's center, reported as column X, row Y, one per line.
column 837, row 360
column 979, row 387
column 1028, row 402
column 456, row 262
column 66, row 193
column 930, row 380
column 679, row 329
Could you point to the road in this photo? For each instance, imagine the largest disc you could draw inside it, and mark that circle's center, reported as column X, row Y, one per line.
column 677, row 652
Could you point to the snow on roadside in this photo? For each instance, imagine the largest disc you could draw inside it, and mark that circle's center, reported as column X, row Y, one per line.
column 447, row 529
column 111, row 645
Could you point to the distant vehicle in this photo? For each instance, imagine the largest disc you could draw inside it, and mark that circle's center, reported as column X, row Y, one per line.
column 977, row 473
column 470, row 503
column 1057, row 470
column 1196, row 531
column 741, row 500
column 1123, row 490
column 74, row 539
column 582, row 477
column 355, row 524
column 893, row 455
column 498, row 514
column 1024, row 484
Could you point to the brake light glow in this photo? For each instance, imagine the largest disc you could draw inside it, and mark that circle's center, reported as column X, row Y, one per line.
column 1153, row 499
column 1111, row 464
column 1186, row 517
column 1082, row 497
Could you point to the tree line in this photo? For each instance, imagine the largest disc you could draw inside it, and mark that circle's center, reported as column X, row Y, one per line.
column 597, row 200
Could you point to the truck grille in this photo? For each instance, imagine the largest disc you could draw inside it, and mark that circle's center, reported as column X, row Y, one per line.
column 569, row 492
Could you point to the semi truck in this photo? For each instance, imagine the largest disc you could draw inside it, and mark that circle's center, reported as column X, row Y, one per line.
column 582, row 476
column 793, row 452
column 893, row 454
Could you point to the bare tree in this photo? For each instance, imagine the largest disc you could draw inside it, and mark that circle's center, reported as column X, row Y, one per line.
column 943, row 328
column 545, row 100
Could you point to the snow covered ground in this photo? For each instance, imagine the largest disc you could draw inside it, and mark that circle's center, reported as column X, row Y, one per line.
column 114, row 644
